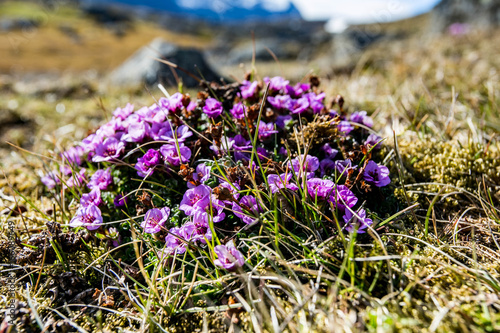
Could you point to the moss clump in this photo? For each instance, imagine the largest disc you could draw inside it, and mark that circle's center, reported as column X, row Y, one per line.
column 432, row 165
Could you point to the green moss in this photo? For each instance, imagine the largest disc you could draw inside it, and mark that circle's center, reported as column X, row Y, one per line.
column 434, row 165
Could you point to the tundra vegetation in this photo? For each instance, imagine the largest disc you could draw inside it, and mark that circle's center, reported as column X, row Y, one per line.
column 270, row 204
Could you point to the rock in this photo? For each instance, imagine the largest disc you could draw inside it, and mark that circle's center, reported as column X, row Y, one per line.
column 478, row 13
column 142, row 68
column 283, row 49
column 8, row 24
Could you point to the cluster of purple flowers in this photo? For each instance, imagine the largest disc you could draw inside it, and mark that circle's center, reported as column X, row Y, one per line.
column 89, row 214
column 159, row 142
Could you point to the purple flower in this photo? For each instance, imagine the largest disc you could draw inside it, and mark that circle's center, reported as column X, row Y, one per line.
column 228, row 257
column 77, row 178
column 376, row 174
column 320, row 189
column 307, row 165
column 174, row 241
column 73, row 155
column 241, row 144
column 262, row 153
column 329, row 151
column 358, row 220
column 277, row 83
column 283, row 151
column 137, row 132
column 115, row 127
column 155, row 219
column 297, row 106
column 298, row 90
column 176, row 101
column 361, row 117
column 89, row 217
column 194, row 232
column 155, row 114
column 171, row 154
column 195, row 198
column 238, row 111
column 123, row 113
column 325, row 166
column 247, row 209
column 120, row 200
column 283, row 121
column 315, row 101
column 114, row 236
column 266, row 130
column 212, row 108
column 242, row 147
column 163, row 104
column 90, row 143
column 342, row 196
column 172, row 104
column 101, row 179
column 50, row 180
column 65, row 169
column 201, row 175
column 249, row 89
column 374, row 141
column 145, row 164
column 191, row 106
column 213, row 211
column 178, row 238
column 333, row 113
column 279, row 102
column 343, row 166
column 277, row 182
column 132, row 119
column 108, row 150
column 172, row 136
column 345, row 127
column 107, row 130
column 91, row 198
column 144, row 113
column 458, row 29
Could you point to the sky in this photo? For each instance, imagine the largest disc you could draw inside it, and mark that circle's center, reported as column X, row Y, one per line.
column 338, row 13
column 341, row 13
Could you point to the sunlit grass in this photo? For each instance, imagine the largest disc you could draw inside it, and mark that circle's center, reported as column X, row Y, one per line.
column 431, row 267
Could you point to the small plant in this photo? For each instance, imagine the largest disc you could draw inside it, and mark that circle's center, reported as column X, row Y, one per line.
column 210, row 183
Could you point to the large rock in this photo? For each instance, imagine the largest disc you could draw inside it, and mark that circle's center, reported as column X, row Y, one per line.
column 282, row 49
column 143, row 68
column 478, row 13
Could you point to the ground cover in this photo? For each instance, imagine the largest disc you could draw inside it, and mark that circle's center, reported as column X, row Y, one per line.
column 427, row 261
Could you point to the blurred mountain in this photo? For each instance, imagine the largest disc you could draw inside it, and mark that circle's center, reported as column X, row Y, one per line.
column 452, row 14
column 216, row 11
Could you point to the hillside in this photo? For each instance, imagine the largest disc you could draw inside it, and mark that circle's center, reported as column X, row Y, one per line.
column 63, row 39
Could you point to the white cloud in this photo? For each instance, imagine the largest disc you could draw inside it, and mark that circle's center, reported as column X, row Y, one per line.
column 276, row 5
column 361, row 11
column 336, row 25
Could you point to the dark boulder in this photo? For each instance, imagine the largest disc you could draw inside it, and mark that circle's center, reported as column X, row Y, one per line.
column 143, row 68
